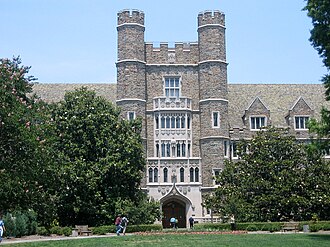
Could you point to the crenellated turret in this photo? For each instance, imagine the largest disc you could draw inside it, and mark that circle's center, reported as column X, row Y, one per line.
column 213, row 103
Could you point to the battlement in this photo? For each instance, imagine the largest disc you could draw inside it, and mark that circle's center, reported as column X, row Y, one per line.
column 169, row 52
column 211, row 17
column 130, row 16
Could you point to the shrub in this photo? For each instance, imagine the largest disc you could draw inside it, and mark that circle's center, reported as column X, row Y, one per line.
column 102, row 230
column 66, row 231
column 42, row 231
column 21, row 224
column 10, row 224
column 57, row 230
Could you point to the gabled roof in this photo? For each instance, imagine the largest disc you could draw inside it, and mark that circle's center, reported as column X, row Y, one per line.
column 298, row 102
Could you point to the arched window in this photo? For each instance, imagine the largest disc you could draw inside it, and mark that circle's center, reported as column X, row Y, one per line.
column 188, row 122
column 165, row 175
column 163, row 149
column 155, row 175
column 188, row 151
column 157, row 122
column 196, row 174
column 150, row 175
column 178, row 152
column 157, row 150
column 163, row 122
column 183, row 122
column 168, row 122
column 181, row 174
column 191, row 173
column 183, row 149
column 178, row 122
column 168, row 150
column 173, row 122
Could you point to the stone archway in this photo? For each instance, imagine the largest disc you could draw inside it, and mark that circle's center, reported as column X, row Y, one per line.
column 174, row 208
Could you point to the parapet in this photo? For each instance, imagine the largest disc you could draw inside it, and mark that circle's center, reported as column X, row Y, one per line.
column 211, row 17
column 130, row 16
column 172, row 53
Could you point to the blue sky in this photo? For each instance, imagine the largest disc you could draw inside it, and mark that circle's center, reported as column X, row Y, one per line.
column 76, row 40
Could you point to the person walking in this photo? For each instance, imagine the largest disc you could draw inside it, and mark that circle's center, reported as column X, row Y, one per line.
column 172, row 221
column 118, row 224
column 191, row 222
column 232, row 222
column 124, row 222
column 2, row 228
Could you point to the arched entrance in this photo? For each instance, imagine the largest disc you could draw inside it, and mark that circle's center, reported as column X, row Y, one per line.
column 174, row 208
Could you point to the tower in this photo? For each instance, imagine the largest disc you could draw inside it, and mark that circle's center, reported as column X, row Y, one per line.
column 131, row 65
column 213, row 104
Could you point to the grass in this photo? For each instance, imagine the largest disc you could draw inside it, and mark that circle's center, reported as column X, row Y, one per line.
column 205, row 240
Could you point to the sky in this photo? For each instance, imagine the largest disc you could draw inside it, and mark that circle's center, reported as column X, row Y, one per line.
column 75, row 41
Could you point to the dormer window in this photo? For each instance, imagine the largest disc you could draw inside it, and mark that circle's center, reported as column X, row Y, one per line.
column 256, row 123
column 172, row 87
column 300, row 122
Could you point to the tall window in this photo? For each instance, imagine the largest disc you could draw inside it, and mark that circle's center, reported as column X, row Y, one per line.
column 157, row 122
column 165, row 175
column 234, row 154
column 191, row 174
column 256, row 123
column 168, row 150
column 183, row 149
column 215, row 119
column 155, row 175
column 225, row 148
column 172, row 87
column 150, row 175
column 163, row 149
column 157, row 150
column 301, row 122
column 181, row 174
column 131, row 115
column 196, row 174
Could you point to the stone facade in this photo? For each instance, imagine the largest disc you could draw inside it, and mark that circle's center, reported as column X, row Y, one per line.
column 192, row 117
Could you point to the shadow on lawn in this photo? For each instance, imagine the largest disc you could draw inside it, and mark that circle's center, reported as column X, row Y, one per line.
column 325, row 237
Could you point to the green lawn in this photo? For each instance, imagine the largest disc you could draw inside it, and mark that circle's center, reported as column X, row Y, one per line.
column 194, row 240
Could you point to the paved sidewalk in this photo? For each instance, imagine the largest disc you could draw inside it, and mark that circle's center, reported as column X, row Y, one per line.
column 36, row 238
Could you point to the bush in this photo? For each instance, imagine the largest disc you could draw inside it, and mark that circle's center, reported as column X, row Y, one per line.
column 21, row 224
column 102, row 230
column 57, row 230
column 10, row 225
column 66, row 231
column 42, row 231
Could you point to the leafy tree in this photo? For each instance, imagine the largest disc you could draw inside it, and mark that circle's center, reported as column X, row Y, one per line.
column 25, row 163
column 100, row 158
column 142, row 211
column 275, row 180
column 319, row 11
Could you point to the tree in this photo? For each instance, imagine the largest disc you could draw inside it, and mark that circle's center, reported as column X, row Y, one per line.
column 25, row 162
column 100, row 158
column 275, row 180
column 319, row 11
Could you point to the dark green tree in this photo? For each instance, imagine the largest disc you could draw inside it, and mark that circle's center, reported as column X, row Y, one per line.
column 319, row 12
column 275, row 180
column 25, row 160
column 100, row 158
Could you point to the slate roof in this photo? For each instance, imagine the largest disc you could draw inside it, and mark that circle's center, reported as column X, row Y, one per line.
column 278, row 98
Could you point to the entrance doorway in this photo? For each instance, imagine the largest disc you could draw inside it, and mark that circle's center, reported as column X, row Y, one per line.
column 175, row 209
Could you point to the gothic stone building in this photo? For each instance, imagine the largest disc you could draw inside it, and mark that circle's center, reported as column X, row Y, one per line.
column 192, row 118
